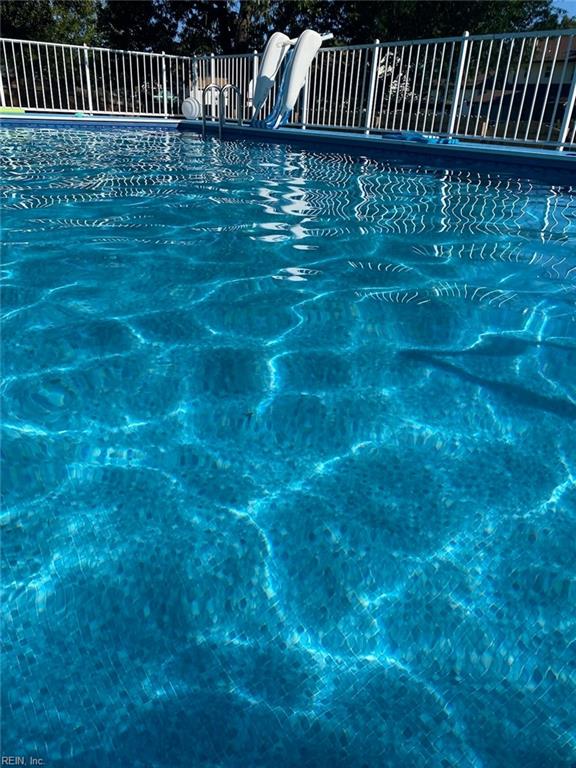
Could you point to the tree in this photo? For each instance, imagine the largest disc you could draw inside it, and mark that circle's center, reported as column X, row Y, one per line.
column 362, row 22
column 181, row 26
column 55, row 21
column 146, row 25
column 235, row 27
column 238, row 26
column 245, row 24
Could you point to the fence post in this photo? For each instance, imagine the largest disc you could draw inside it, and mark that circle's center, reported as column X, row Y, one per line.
column 255, row 64
column 214, row 103
column 212, row 68
column 458, row 84
column 88, row 81
column 304, row 102
column 373, row 84
column 2, row 97
column 568, row 110
column 164, row 85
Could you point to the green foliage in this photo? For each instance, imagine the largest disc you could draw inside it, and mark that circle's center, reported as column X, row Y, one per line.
column 55, row 21
column 222, row 26
column 195, row 26
column 365, row 21
column 146, row 25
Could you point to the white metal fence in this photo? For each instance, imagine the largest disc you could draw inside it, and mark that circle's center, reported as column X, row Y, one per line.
column 49, row 77
column 504, row 88
column 515, row 88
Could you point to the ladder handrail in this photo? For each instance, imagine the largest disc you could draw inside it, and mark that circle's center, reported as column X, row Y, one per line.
column 221, row 90
column 238, row 93
column 204, row 92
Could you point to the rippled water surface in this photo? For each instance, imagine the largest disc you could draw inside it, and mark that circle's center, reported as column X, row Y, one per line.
column 289, row 458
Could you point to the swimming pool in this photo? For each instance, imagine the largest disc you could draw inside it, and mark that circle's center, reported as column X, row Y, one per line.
column 289, row 457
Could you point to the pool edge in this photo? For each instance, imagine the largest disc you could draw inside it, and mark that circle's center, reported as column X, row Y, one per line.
column 525, row 156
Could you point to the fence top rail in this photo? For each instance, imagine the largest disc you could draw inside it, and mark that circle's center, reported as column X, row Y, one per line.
column 92, row 48
column 208, row 56
column 458, row 38
column 544, row 33
column 537, row 33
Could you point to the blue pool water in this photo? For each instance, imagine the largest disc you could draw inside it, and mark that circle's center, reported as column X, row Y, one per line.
column 289, row 458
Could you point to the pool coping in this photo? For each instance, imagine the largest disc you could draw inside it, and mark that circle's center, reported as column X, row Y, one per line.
column 59, row 119
column 525, row 156
column 522, row 155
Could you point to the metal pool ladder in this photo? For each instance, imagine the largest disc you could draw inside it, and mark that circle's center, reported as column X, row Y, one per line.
column 221, row 91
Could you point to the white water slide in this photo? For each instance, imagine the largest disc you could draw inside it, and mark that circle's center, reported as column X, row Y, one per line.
column 301, row 53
